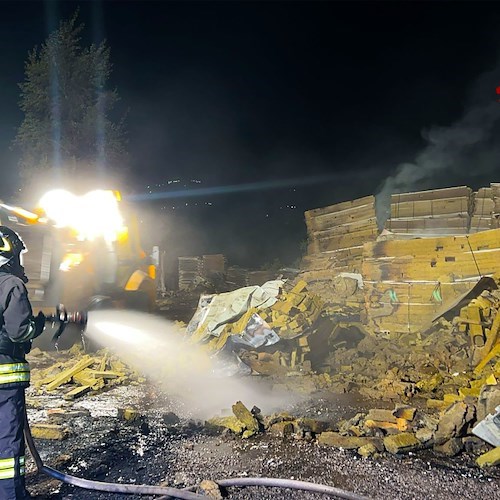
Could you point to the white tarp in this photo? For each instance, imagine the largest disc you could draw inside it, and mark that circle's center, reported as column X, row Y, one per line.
column 215, row 311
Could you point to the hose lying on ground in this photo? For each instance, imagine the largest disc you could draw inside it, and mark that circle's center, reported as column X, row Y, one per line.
column 289, row 483
column 137, row 489
column 168, row 492
column 292, row 484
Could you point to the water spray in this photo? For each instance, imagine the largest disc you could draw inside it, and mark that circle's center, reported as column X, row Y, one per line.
column 126, row 331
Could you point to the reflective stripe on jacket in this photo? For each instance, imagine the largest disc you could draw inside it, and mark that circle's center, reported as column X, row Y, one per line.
column 14, row 372
column 16, row 331
column 8, row 467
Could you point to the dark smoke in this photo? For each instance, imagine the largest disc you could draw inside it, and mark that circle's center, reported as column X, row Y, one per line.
column 465, row 152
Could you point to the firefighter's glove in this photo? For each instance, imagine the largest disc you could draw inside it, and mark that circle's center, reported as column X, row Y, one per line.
column 39, row 322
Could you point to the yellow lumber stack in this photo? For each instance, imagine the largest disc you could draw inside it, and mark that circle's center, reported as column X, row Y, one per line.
column 341, row 226
column 433, row 212
column 437, row 245
column 406, row 282
column 486, row 209
column 336, row 236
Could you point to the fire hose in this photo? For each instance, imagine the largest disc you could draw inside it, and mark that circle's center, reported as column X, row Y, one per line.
column 63, row 318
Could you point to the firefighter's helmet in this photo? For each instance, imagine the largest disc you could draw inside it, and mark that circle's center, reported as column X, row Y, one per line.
column 11, row 246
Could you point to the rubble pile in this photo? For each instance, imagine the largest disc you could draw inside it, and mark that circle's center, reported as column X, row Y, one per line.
column 256, row 317
column 452, row 359
column 401, row 430
column 448, row 373
column 279, row 332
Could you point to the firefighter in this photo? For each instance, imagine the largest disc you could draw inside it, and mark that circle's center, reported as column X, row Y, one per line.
column 18, row 328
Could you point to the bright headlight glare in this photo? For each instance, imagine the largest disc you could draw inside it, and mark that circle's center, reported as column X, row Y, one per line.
column 60, row 206
column 96, row 214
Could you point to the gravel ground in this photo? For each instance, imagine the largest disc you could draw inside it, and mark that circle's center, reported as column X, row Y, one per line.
column 157, row 450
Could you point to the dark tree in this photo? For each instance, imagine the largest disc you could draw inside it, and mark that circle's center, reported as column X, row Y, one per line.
column 68, row 134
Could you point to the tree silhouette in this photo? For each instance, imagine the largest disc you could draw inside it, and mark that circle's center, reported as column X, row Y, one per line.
column 68, row 135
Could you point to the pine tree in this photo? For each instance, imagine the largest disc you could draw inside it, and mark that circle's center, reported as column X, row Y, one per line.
column 68, row 133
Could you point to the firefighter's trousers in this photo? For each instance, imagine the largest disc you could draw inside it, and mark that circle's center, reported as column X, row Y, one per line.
column 12, row 408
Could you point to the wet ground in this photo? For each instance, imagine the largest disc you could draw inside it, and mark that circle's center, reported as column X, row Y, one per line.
column 159, row 449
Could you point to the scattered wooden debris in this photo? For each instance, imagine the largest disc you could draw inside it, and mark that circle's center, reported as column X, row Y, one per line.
column 86, row 374
column 49, row 431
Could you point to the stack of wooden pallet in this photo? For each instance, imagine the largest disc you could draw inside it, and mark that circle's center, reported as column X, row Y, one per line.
column 430, row 213
column 190, row 272
column 193, row 270
column 341, row 226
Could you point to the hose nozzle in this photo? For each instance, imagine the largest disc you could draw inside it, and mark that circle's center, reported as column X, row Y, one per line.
column 62, row 316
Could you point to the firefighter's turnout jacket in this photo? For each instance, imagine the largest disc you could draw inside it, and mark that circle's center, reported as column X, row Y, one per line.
column 16, row 331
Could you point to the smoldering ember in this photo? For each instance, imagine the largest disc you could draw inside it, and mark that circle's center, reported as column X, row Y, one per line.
column 369, row 372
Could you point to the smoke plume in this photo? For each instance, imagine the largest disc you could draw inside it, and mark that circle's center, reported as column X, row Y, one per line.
column 465, row 152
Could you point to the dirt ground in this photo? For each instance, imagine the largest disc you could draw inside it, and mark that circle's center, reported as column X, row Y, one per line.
column 158, row 449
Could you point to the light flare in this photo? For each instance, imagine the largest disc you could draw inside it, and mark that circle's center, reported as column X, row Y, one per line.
column 95, row 214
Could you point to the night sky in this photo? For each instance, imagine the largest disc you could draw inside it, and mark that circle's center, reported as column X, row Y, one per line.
column 325, row 99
